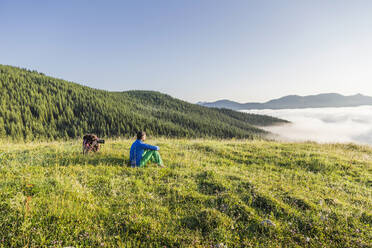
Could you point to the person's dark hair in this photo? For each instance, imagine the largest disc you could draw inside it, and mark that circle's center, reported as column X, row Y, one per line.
column 140, row 134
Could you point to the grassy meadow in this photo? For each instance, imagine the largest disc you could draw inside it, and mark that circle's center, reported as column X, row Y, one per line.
column 212, row 193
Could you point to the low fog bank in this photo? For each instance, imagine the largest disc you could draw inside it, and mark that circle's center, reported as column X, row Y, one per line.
column 323, row 125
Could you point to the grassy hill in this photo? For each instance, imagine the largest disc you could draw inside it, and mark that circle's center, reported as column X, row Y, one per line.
column 35, row 106
column 212, row 194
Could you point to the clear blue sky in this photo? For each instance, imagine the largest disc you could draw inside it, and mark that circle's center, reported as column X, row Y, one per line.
column 196, row 50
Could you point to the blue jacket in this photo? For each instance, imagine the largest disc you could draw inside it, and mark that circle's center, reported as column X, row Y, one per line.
column 136, row 151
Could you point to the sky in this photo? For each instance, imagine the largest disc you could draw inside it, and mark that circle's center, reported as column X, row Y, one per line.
column 195, row 50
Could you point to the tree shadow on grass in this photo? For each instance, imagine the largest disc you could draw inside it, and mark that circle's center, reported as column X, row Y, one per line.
column 108, row 160
column 89, row 159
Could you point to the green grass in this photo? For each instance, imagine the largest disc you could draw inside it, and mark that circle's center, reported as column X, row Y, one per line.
column 212, row 192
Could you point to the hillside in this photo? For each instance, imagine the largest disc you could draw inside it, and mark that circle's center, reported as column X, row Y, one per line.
column 35, row 106
column 213, row 193
column 295, row 102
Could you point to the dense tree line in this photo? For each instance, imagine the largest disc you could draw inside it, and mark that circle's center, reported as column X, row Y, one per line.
column 35, row 106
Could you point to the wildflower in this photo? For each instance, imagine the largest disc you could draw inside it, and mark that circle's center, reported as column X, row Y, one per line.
column 268, row 222
column 221, row 245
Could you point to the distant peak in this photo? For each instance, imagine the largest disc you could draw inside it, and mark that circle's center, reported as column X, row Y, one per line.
column 296, row 101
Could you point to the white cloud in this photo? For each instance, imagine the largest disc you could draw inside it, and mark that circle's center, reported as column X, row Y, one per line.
column 323, row 124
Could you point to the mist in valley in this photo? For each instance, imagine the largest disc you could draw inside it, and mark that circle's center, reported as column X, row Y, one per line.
column 325, row 125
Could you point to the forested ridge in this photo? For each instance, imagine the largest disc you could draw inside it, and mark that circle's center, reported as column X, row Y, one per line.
column 36, row 106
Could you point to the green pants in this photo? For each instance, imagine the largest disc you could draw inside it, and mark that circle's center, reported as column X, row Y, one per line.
column 152, row 156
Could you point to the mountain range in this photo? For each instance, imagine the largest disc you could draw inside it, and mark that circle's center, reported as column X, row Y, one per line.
column 296, row 102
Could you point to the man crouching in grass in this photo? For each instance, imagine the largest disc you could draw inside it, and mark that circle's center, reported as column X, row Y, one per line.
column 141, row 153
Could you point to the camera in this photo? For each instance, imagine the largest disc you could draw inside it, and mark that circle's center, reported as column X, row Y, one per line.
column 101, row 141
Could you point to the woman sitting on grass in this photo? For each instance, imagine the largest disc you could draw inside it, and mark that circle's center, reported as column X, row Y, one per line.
column 141, row 153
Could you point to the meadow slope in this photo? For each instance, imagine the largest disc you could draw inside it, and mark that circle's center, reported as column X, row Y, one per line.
column 213, row 193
